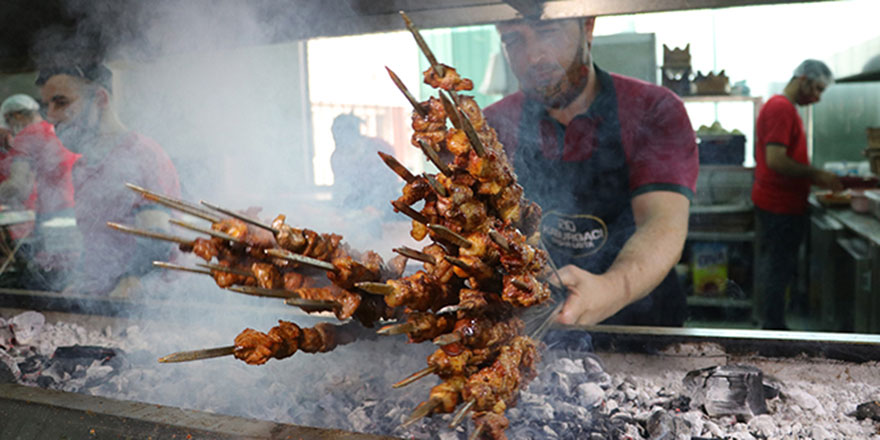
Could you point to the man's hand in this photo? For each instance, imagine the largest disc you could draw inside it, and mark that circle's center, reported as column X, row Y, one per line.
column 827, row 180
column 592, row 298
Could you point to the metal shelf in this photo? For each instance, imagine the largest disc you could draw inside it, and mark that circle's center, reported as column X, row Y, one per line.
column 722, row 98
column 721, row 236
column 703, row 301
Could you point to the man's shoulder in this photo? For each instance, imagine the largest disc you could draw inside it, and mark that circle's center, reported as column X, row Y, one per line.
column 779, row 103
column 640, row 93
column 509, row 105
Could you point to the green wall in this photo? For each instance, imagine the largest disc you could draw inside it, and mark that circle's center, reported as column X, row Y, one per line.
column 840, row 119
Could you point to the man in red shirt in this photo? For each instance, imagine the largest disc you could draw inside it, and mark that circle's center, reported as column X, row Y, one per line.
column 42, row 156
column 613, row 163
column 783, row 176
column 78, row 100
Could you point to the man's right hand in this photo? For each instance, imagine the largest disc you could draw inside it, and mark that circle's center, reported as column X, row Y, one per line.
column 827, row 180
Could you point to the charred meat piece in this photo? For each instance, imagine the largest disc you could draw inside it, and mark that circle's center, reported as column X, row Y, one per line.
column 450, row 80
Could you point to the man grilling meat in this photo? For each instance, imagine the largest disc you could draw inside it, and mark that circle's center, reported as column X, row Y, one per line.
column 79, row 102
column 613, row 163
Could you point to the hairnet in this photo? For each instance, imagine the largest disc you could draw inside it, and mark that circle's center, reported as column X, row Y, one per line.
column 814, row 70
column 19, row 103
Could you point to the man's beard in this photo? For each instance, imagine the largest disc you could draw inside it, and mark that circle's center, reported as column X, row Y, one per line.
column 563, row 92
column 75, row 134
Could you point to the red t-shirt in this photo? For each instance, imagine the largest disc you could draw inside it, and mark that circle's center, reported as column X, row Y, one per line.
column 51, row 164
column 101, row 197
column 657, row 135
column 779, row 123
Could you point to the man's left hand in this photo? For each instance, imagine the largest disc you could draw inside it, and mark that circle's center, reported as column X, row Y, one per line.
column 592, row 298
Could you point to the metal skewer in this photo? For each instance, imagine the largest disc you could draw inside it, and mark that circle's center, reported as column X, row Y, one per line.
column 500, row 240
column 243, row 218
column 449, row 309
column 415, row 255
column 226, row 269
column 472, row 135
column 542, row 328
column 424, row 372
column 194, row 355
column 179, row 205
column 309, row 261
column 375, row 288
column 438, row 188
column 458, row 262
column 438, row 68
column 11, row 256
column 396, row 329
column 409, row 212
column 148, row 234
column 451, row 111
column 417, row 106
column 461, row 413
column 421, row 411
column 478, row 429
column 521, row 285
column 314, row 305
column 449, row 338
column 434, row 158
column 450, row 236
column 172, row 266
column 263, row 292
column 397, row 167
column 208, row 231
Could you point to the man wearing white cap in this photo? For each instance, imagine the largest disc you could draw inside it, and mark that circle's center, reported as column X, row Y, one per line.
column 38, row 157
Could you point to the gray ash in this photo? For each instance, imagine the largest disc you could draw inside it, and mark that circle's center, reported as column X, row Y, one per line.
column 574, row 396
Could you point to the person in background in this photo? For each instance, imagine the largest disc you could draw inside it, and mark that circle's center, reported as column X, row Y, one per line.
column 78, row 100
column 42, row 156
column 355, row 186
column 783, row 176
column 17, row 189
column 613, row 163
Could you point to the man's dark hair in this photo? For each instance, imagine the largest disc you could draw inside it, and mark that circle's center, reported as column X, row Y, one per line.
column 94, row 73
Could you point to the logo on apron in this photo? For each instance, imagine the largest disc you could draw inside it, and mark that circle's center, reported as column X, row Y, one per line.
column 578, row 235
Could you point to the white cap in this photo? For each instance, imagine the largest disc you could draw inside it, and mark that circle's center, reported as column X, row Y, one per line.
column 18, row 103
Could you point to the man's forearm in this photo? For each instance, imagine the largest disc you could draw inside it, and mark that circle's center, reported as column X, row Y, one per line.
column 789, row 167
column 647, row 257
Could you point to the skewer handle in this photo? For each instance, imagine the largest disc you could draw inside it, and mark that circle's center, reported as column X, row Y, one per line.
column 194, row 355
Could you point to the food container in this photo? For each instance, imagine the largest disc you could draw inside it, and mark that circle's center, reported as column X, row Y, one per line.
column 873, row 155
column 858, row 182
column 873, row 137
column 873, row 197
column 859, row 202
column 722, row 149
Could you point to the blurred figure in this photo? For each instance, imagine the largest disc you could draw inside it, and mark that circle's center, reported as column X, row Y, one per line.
column 43, row 157
column 42, row 168
column 783, row 176
column 356, row 184
column 78, row 101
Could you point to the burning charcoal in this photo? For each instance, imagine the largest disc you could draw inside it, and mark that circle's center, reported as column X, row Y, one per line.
column 26, row 326
column 728, row 390
column 33, row 364
column 663, row 426
column 679, row 403
column 9, row 371
column 590, row 394
column 6, row 335
column 867, row 410
column 764, row 426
